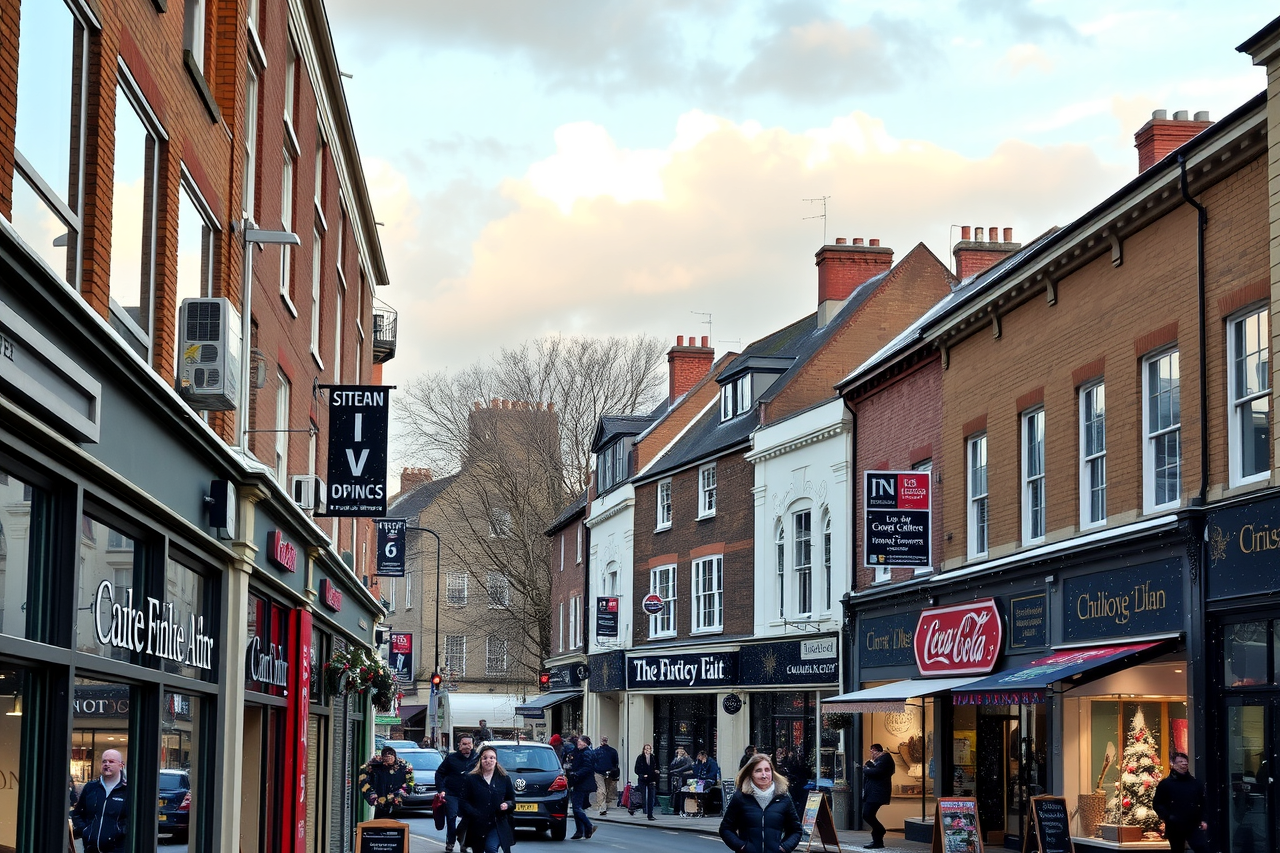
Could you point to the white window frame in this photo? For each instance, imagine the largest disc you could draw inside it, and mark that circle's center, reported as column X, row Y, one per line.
column 662, row 582
column 317, row 254
column 455, row 659
column 496, row 660
column 977, row 496
column 578, row 558
column 780, row 566
column 708, row 595
column 707, row 491
column 283, row 395
column 1154, row 430
column 575, row 621
column 664, row 505
column 286, row 224
column 726, row 401
column 1034, row 501
column 742, row 394
column 408, row 588
column 190, row 198
column 1093, row 454
column 802, row 560
column 499, row 597
column 456, row 588
column 827, row 577
column 1245, row 356
column 249, row 184
column 339, row 300
column 609, row 581
column 563, row 536
column 391, row 594
column 561, row 628
column 194, row 21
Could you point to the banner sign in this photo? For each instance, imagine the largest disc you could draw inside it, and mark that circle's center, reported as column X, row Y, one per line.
column 1244, row 544
column 391, row 541
column 962, row 639
column 607, row 616
column 358, row 429
column 1128, row 602
column 400, row 657
column 897, row 512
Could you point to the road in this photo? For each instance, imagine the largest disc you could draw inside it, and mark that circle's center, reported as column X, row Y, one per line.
column 608, row 837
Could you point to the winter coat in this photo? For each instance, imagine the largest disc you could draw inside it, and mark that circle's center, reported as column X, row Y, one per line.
column 877, row 786
column 582, row 773
column 708, row 770
column 452, row 771
column 481, row 804
column 606, row 761
column 102, row 818
column 1179, row 801
column 746, row 828
column 384, row 786
column 646, row 769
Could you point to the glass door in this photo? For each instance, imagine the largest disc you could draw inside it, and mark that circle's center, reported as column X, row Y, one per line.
column 1251, row 765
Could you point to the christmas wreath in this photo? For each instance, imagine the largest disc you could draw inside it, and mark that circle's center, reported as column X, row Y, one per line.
column 355, row 671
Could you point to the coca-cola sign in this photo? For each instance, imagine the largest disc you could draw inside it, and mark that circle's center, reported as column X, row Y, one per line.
column 961, row 639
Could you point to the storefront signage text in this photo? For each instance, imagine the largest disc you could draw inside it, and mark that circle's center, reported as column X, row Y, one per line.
column 330, row 595
column 682, row 670
column 1028, row 622
column 281, row 552
column 153, row 632
column 887, row 640
column 963, row 639
column 1243, row 543
column 897, row 519
column 814, row 661
column 1128, row 602
column 268, row 667
column 358, row 430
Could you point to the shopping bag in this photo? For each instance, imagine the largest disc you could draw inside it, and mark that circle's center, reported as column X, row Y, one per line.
column 439, row 811
column 625, row 801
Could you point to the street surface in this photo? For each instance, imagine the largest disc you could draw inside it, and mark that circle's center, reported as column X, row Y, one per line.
column 609, row 836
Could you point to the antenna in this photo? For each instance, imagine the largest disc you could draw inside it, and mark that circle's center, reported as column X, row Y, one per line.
column 822, row 216
column 706, row 322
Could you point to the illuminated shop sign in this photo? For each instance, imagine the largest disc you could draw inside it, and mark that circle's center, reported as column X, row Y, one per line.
column 330, row 595
column 715, row 669
column 962, row 639
column 153, row 628
column 812, row 661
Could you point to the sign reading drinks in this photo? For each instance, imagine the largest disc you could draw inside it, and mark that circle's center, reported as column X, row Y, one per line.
column 962, row 639
column 897, row 508
column 151, row 629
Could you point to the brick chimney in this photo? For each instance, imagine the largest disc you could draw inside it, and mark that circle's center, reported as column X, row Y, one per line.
column 977, row 250
column 843, row 266
column 1156, row 139
column 687, row 365
column 412, row 478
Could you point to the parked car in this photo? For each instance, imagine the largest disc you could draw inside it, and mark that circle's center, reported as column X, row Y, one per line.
column 175, row 803
column 542, row 791
column 424, row 763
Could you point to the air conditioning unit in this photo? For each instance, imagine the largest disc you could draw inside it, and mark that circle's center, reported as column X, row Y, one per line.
column 309, row 492
column 209, row 354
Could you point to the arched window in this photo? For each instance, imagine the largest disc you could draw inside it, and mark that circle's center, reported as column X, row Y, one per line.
column 780, row 544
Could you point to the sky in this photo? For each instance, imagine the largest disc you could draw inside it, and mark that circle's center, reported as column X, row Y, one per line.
column 624, row 166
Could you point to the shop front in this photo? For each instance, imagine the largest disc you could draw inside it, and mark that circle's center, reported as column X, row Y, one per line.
column 559, row 710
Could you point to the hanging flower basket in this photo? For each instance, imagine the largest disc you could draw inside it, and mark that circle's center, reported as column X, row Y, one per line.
column 357, row 671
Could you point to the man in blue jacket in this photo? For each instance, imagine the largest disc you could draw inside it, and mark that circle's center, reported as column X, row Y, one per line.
column 582, row 779
column 607, row 773
column 450, row 775
column 101, row 814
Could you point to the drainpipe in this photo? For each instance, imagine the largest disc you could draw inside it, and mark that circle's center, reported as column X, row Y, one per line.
column 1202, row 220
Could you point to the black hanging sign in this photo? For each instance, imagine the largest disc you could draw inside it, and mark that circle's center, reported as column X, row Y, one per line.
column 607, row 616
column 358, row 429
column 391, row 539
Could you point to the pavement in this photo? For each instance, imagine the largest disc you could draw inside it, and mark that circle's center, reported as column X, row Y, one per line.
column 850, row 839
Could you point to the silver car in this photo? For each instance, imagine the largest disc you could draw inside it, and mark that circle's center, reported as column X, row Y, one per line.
column 424, row 763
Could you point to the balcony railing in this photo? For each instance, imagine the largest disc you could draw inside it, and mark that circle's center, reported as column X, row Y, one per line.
column 384, row 333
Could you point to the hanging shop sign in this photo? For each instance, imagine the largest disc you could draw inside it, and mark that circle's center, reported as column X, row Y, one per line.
column 713, row 669
column 897, row 508
column 281, row 553
column 1028, row 621
column 330, row 595
column 1244, row 550
column 887, row 640
column 607, row 616
column 358, row 429
column 1128, row 602
column 962, row 639
column 151, row 628
column 653, row 604
column 391, row 539
column 401, row 656
column 813, row 661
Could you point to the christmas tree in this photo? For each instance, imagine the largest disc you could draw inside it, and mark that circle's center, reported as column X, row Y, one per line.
column 1139, row 773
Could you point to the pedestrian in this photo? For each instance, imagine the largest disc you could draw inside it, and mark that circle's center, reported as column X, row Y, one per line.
column 761, row 818
column 488, row 799
column 746, row 756
column 877, row 786
column 1179, row 801
column 384, row 782
column 483, row 735
column 706, row 769
column 582, row 779
column 681, row 766
column 101, row 813
column 607, row 772
column 450, row 776
column 647, row 781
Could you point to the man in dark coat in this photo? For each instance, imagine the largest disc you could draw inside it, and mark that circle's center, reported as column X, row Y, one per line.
column 607, row 773
column 101, row 813
column 582, row 779
column 384, row 782
column 877, row 787
column 1179, row 801
column 449, row 778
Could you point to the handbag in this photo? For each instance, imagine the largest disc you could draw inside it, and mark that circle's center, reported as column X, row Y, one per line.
column 626, row 796
column 438, row 810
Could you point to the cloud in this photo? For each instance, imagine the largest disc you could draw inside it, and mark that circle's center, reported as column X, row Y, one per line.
column 1022, row 57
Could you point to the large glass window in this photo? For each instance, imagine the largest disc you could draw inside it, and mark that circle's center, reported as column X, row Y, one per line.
column 12, row 691
column 802, row 523
column 1162, row 424
column 1033, row 493
column 195, row 251
column 1093, row 455
column 186, row 592
column 111, row 562
column 708, row 594
column 249, row 142
column 100, row 734
column 662, row 582
column 1250, row 382
column 133, row 222
column 977, row 486
column 23, row 514
column 181, row 765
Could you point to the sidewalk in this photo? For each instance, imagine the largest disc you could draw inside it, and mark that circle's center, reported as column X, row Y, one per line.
column 849, row 839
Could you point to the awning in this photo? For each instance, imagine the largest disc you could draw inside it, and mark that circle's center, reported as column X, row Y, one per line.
column 533, row 708
column 408, row 712
column 893, row 697
column 1028, row 685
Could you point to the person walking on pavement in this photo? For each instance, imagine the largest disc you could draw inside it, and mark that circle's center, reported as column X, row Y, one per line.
column 647, row 781
column 761, row 818
column 876, row 789
column 582, row 779
column 488, row 800
column 1179, row 801
column 450, row 776
column 384, row 782
column 101, row 813
column 607, row 772
column 483, row 734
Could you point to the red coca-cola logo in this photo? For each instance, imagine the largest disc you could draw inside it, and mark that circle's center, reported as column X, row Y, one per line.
column 961, row 639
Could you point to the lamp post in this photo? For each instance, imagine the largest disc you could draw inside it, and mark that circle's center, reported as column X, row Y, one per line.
column 252, row 235
column 435, row 659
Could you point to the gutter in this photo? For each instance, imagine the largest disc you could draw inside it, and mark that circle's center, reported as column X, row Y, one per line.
column 1202, row 221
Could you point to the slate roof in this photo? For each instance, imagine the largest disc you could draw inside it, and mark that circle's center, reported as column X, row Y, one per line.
column 610, row 427
column 411, row 504
column 579, row 504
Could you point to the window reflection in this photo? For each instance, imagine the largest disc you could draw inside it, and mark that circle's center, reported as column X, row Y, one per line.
column 179, row 796
column 100, row 723
column 11, row 716
column 108, row 559
column 17, row 520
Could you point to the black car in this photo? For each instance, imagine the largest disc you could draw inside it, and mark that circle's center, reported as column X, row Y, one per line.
column 175, row 803
column 542, row 791
column 424, row 763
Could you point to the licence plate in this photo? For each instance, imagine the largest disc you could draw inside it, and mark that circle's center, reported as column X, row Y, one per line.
column 526, row 807
column 163, row 818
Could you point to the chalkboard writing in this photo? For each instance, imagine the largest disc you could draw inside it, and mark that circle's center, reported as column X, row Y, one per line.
column 955, row 826
column 382, row 836
column 1051, row 827
column 727, row 790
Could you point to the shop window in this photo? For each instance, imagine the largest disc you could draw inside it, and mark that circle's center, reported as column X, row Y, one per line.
column 1162, row 425
column 181, row 766
column 135, row 178
column 12, row 691
column 1250, row 392
column 1246, row 648
column 111, row 561
column 267, row 659
column 907, row 735
column 100, row 729
column 187, row 593
column 24, row 514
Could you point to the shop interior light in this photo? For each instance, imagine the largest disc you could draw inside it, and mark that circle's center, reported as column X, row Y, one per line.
column 17, row 707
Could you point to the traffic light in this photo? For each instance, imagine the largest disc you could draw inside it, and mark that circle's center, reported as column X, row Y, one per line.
column 436, row 679
column 544, row 681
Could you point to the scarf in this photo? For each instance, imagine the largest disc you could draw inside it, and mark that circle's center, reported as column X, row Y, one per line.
column 762, row 797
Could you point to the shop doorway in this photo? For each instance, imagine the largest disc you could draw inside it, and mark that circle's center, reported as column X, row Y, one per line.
column 1001, row 762
column 687, row 721
column 1252, row 740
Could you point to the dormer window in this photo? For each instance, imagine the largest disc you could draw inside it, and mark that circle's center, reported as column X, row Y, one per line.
column 735, row 397
column 611, row 464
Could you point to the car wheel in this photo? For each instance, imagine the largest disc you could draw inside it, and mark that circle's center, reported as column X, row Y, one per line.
column 559, row 830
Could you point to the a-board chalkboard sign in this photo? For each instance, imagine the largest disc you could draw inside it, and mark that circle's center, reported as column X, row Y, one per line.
column 817, row 819
column 955, row 826
column 382, row 836
column 1050, row 830
column 727, row 790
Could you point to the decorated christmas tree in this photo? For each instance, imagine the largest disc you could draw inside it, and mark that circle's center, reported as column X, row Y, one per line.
column 1139, row 774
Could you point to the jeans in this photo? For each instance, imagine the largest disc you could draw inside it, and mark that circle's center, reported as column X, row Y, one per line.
column 644, row 797
column 581, row 802
column 451, row 822
column 491, row 841
column 877, row 828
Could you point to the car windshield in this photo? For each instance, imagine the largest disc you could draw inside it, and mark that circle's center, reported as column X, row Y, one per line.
column 526, row 759
column 427, row 759
column 172, row 782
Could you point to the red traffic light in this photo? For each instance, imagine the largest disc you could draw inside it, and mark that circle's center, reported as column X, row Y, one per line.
column 544, row 680
column 436, row 679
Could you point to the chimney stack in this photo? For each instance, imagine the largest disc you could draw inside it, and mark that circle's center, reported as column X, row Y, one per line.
column 974, row 254
column 412, row 478
column 842, row 266
column 687, row 365
column 1158, row 138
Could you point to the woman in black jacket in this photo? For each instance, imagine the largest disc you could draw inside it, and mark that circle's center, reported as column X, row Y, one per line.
column 760, row 818
column 647, row 786
column 488, row 798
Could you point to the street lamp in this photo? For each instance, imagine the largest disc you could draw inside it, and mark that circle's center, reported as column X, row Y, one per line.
column 435, row 660
column 252, row 235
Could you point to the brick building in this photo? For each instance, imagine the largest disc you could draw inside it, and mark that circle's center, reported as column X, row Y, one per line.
column 152, row 154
